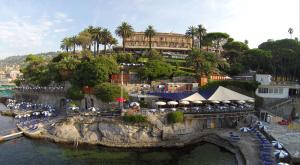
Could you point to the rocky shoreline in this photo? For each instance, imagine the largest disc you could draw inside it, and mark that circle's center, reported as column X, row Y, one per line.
column 112, row 132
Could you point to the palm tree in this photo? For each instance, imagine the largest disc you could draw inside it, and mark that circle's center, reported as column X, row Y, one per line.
column 97, row 38
column 91, row 30
column 291, row 31
column 84, row 39
column 66, row 44
column 149, row 33
column 106, row 37
column 191, row 33
column 205, row 63
column 112, row 42
column 74, row 42
column 201, row 32
column 124, row 30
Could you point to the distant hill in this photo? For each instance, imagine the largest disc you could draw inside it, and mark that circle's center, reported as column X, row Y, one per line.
column 18, row 60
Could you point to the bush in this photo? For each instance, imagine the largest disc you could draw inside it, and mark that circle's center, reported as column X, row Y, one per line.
column 108, row 92
column 134, row 118
column 175, row 117
column 245, row 85
column 17, row 82
column 125, row 58
column 75, row 93
column 178, row 73
column 155, row 69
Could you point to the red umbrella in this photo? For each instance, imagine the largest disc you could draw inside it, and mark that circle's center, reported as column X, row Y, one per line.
column 121, row 100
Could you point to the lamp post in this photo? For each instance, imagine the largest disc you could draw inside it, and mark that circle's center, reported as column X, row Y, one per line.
column 121, row 103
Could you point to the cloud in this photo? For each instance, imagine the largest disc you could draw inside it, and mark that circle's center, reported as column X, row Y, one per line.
column 23, row 34
column 60, row 30
column 62, row 17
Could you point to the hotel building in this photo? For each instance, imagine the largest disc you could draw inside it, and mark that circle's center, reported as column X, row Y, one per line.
column 162, row 42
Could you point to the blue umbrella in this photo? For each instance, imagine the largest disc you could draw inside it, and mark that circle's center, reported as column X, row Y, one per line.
column 280, row 154
column 262, row 127
column 277, row 144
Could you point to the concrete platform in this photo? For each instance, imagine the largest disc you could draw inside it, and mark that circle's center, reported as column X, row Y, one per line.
column 289, row 136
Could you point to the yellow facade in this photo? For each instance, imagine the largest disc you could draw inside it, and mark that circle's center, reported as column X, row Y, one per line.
column 161, row 41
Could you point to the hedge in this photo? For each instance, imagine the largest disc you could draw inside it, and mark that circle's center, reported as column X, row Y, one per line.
column 245, row 85
column 134, row 118
column 175, row 117
column 75, row 93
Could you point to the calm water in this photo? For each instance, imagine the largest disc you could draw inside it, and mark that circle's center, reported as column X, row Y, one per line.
column 27, row 151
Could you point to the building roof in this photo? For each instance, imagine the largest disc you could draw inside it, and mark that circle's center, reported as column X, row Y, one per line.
column 172, row 96
column 221, row 93
column 165, row 34
column 194, row 97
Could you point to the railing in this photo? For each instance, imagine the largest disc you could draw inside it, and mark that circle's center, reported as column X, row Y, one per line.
column 41, row 90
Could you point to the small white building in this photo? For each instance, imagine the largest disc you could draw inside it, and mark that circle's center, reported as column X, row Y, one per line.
column 278, row 90
column 264, row 79
column 271, row 91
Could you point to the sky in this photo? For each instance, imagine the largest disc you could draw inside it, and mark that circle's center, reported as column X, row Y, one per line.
column 35, row 26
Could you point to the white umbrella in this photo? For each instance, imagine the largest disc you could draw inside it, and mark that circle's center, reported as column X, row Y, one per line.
column 226, row 101
column 280, row 163
column 244, row 129
column 250, row 101
column 280, row 154
column 197, row 102
column 215, row 101
column 184, row 102
column 277, row 144
column 258, row 123
column 160, row 103
column 262, row 127
column 172, row 102
column 92, row 109
column 132, row 104
column 241, row 102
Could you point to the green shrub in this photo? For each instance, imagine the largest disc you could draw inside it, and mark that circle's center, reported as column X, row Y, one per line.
column 124, row 57
column 134, row 118
column 108, row 92
column 181, row 73
column 75, row 93
column 175, row 117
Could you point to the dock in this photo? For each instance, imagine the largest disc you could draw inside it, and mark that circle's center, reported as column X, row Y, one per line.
column 10, row 134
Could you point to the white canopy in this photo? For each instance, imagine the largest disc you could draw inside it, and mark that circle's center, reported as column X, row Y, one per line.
column 184, row 102
column 197, row 102
column 172, row 103
column 160, row 103
column 222, row 93
column 194, row 97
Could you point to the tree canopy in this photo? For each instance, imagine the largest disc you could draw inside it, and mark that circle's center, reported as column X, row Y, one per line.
column 155, row 69
column 109, row 92
column 93, row 72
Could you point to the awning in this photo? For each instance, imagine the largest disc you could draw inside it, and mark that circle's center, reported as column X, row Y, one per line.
column 220, row 94
column 171, row 96
column 194, row 97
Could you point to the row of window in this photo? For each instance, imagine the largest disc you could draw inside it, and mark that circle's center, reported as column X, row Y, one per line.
column 175, row 45
column 270, row 90
column 141, row 38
